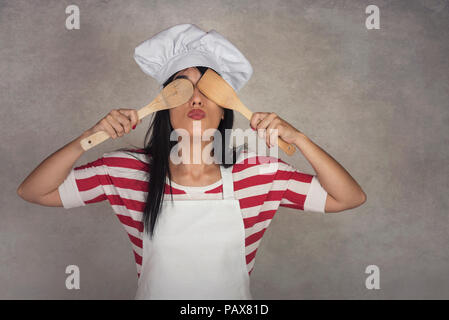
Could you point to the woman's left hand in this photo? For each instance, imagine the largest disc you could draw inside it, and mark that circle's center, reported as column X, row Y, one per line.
column 265, row 122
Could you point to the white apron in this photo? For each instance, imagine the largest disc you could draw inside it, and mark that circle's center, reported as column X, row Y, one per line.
column 197, row 251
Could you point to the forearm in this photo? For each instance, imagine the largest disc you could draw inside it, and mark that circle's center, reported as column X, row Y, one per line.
column 52, row 171
column 332, row 176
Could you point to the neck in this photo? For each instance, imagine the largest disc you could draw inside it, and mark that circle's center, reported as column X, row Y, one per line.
column 194, row 159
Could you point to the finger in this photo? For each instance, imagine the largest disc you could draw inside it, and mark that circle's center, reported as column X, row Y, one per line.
column 132, row 115
column 256, row 118
column 124, row 117
column 137, row 116
column 266, row 121
column 273, row 132
column 263, row 124
column 106, row 126
column 115, row 120
column 115, row 125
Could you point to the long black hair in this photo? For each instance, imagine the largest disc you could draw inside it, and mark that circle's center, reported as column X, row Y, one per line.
column 158, row 150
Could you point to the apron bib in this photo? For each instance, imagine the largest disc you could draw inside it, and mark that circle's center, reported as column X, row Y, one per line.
column 197, row 250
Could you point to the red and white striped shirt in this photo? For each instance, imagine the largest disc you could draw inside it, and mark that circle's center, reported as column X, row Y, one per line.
column 261, row 185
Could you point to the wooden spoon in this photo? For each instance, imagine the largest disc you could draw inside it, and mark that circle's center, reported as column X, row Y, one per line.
column 176, row 93
column 219, row 91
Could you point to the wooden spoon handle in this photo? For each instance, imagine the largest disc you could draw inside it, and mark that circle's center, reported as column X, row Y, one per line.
column 176, row 93
column 288, row 148
column 100, row 136
column 94, row 139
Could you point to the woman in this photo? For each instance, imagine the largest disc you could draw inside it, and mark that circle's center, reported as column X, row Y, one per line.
column 199, row 243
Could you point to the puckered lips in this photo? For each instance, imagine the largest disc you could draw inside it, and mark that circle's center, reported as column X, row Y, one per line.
column 196, row 114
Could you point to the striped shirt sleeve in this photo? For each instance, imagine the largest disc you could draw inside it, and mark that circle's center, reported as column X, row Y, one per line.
column 303, row 191
column 85, row 184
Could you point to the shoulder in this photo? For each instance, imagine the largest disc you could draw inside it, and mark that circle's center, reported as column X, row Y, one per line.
column 249, row 158
column 249, row 163
column 136, row 159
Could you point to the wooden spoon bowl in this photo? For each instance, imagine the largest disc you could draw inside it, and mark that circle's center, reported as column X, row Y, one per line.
column 174, row 94
column 219, row 91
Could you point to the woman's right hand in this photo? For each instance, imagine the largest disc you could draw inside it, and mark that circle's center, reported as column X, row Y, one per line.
column 117, row 123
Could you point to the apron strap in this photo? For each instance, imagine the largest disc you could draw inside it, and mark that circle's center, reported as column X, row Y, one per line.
column 228, row 182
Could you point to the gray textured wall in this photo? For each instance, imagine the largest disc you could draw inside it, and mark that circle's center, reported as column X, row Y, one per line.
column 376, row 100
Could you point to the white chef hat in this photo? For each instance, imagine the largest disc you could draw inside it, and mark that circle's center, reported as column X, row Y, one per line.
column 185, row 45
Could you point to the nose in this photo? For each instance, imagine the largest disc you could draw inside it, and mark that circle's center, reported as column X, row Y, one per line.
column 197, row 98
